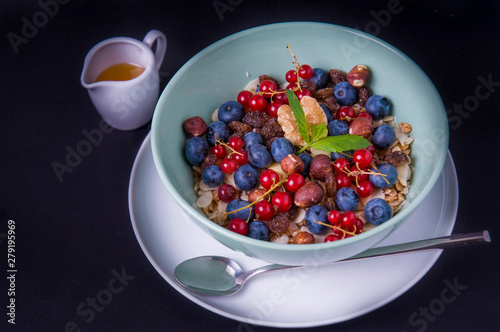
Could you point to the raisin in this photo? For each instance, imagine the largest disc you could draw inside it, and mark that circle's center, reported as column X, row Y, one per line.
column 396, row 158
column 210, row 159
column 363, row 94
column 311, row 86
column 272, row 129
column 332, row 105
column 238, row 128
column 329, row 203
column 280, row 222
column 263, row 78
column 256, row 119
column 337, row 76
column 323, row 94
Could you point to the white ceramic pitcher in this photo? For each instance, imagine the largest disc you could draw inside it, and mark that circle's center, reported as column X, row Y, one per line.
column 129, row 104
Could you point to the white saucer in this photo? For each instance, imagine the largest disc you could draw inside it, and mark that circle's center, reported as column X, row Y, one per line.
column 293, row 298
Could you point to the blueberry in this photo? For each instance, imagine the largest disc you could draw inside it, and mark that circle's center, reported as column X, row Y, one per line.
column 316, row 213
column 345, row 94
column 258, row 230
column 280, row 148
column 337, row 127
column 231, row 111
column 306, row 159
column 391, row 174
column 347, row 199
column 259, row 156
column 346, row 155
column 217, row 130
column 383, row 136
column 196, row 150
column 377, row 106
column 252, row 138
column 320, row 78
column 377, row 211
column 328, row 113
column 213, row 176
column 245, row 214
column 246, row 177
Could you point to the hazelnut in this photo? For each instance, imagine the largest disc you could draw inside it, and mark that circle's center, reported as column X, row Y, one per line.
column 320, row 166
column 256, row 194
column 303, row 238
column 358, row 76
column 361, row 127
column 195, row 126
column 292, row 164
column 308, row 195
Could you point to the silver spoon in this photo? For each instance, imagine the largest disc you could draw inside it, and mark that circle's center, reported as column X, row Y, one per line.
column 219, row 276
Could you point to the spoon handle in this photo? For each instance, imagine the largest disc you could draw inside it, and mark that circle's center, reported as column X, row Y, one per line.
column 443, row 242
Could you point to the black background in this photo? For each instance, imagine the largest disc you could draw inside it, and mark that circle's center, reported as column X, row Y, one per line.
column 70, row 235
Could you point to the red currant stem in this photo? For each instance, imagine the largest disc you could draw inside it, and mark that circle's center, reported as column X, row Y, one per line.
column 336, row 227
column 273, row 187
column 383, row 175
column 360, row 171
column 297, row 66
column 233, row 151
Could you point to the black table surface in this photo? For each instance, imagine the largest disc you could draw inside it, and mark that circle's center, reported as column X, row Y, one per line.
column 71, row 235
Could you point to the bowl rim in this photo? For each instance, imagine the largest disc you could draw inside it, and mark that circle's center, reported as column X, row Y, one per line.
column 244, row 240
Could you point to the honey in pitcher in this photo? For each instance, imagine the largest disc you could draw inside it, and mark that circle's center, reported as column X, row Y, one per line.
column 120, row 72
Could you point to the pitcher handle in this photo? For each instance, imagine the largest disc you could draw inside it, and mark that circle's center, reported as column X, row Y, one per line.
column 161, row 45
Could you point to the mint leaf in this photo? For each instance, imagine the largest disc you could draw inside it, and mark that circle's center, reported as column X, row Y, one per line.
column 318, row 131
column 299, row 115
column 340, row 143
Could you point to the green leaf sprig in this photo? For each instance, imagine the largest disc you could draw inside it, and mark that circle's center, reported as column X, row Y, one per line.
column 317, row 140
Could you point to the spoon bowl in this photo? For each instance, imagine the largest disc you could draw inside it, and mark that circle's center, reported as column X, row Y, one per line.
column 222, row 276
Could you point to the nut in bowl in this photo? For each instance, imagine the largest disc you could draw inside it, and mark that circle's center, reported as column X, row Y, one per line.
column 218, row 73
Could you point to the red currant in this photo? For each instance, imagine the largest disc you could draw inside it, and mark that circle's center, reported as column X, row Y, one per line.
column 282, row 201
column 291, row 86
column 291, row 76
column 257, row 103
column 267, row 87
column 264, row 210
column 268, row 178
column 219, row 151
column 281, row 97
column 334, row 217
column 238, row 225
column 331, row 238
column 348, row 221
column 343, row 180
column 304, row 92
column 236, row 143
column 362, row 157
column 272, row 109
column 365, row 115
column 359, row 226
column 294, row 182
column 244, row 97
column 365, row 188
column 346, row 113
column 228, row 165
column 341, row 165
column 241, row 157
column 226, row 193
column 305, row 72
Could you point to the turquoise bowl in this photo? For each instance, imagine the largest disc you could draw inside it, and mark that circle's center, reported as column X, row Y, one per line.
column 220, row 71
